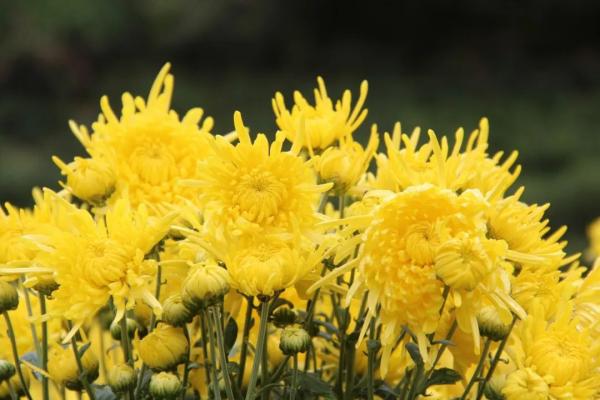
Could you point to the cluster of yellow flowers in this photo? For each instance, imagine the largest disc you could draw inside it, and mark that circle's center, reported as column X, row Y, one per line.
column 179, row 263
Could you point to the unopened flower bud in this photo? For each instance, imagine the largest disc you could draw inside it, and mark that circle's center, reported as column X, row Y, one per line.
column 204, row 285
column 45, row 285
column 175, row 312
column 283, row 316
column 294, row 340
column 9, row 298
column 88, row 179
column 164, row 347
column 493, row 388
column 121, row 378
column 490, row 324
column 15, row 382
column 165, row 386
column 62, row 367
column 105, row 317
column 7, row 370
column 115, row 328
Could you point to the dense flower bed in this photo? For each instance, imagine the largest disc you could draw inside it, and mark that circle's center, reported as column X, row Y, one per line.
column 180, row 263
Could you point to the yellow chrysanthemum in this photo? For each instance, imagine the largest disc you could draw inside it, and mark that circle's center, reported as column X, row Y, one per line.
column 345, row 164
column 149, row 149
column 95, row 260
column 434, row 162
column 253, row 185
column 553, row 357
column 529, row 239
column 415, row 243
column 320, row 125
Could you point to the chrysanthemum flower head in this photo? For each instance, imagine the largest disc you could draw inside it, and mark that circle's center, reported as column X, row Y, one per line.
column 254, row 185
column 555, row 352
column 149, row 149
column 408, row 162
column 95, row 260
column 320, row 125
column 89, row 179
column 345, row 164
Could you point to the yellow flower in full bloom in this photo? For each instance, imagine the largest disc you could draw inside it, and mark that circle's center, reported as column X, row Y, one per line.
column 149, row 148
column 320, row 125
column 345, row 164
column 416, row 242
column 253, row 185
column 434, row 162
column 94, row 260
column 553, row 357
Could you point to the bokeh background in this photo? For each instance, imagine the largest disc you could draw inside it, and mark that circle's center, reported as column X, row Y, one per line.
column 532, row 67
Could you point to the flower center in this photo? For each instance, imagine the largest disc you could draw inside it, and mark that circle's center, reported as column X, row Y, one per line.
column 259, row 196
column 562, row 357
column 153, row 163
column 105, row 261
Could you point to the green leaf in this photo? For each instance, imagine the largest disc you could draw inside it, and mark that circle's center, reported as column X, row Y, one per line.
column 415, row 354
column 231, row 331
column 83, row 349
column 443, row 376
column 103, row 392
column 310, row 383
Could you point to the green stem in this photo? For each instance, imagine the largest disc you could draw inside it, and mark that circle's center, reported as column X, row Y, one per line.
column 156, row 295
column 294, row 378
column 245, row 336
column 82, row 373
column 11, row 390
column 207, row 366
column 15, row 351
column 221, row 344
column 370, row 361
column 45, row 383
column 264, row 369
column 260, row 345
column 478, row 369
column 36, row 341
column 350, row 355
column 438, row 356
column 496, row 359
column 127, row 353
column 186, row 370
column 213, row 359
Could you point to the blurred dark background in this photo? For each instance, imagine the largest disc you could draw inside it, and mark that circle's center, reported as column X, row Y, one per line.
column 532, row 67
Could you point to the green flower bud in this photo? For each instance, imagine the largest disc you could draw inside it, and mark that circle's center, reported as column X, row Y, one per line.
column 115, row 328
column 283, row 316
column 165, row 386
column 175, row 312
column 493, row 388
column 7, row 370
column 121, row 378
column 490, row 324
column 9, row 298
column 105, row 317
column 46, row 285
column 205, row 285
column 294, row 340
